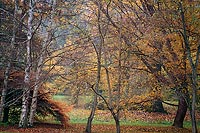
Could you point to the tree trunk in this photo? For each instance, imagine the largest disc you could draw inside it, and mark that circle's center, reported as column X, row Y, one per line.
column 181, row 112
column 90, row 118
column 76, row 96
column 116, row 118
column 26, row 92
column 158, row 106
column 194, row 98
column 7, row 72
column 117, row 124
column 4, row 90
column 109, row 87
column 35, row 92
column 6, row 114
column 193, row 65
column 47, row 41
column 194, row 123
column 98, row 50
column 77, row 91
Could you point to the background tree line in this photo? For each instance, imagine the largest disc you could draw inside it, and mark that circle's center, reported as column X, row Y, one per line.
column 124, row 52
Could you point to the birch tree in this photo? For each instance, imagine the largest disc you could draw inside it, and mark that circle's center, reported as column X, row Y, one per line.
column 9, row 60
column 26, row 91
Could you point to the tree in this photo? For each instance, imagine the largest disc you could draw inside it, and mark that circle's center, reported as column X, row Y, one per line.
column 144, row 16
column 35, row 55
column 193, row 64
column 46, row 42
column 26, row 92
column 183, row 23
column 9, row 61
column 98, row 51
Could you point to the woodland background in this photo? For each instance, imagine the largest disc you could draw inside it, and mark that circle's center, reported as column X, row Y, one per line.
column 111, row 57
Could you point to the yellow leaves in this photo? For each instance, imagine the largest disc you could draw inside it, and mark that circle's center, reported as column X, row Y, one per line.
column 62, row 19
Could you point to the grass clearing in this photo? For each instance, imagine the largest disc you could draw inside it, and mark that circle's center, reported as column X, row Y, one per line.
column 130, row 118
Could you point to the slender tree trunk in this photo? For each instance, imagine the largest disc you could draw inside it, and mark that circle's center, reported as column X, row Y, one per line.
column 193, row 65
column 35, row 91
column 90, row 118
column 47, row 41
column 77, row 91
column 116, row 117
column 6, row 114
column 7, row 71
column 108, row 82
column 4, row 90
column 117, row 124
column 194, row 123
column 76, row 96
column 98, row 50
column 194, row 98
column 181, row 112
column 26, row 92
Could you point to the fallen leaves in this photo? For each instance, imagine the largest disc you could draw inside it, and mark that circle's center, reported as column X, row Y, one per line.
column 77, row 128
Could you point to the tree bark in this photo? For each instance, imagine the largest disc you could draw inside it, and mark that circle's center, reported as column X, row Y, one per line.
column 77, row 91
column 158, row 106
column 4, row 90
column 35, row 92
column 6, row 114
column 26, row 92
column 76, row 96
column 109, row 86
column 117, row 124
column 193, row 65
column 47, row 41
column 8, row 67
column 98, row 51
column 181, row 112
column 90, row 118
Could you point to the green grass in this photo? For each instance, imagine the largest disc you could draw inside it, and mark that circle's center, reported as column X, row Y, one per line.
column 187, row 124
column 81, row 101
column 4, row 124
column 80, row 116
column 6, row 132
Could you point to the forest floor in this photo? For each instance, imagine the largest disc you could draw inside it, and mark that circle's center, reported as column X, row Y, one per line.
column 142, row 122
column 78, row 128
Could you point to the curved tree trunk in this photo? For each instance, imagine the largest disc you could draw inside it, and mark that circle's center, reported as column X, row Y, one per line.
column 193, row 65
column 90, row 118
column 181, row 112
column 117, row 124
column 98, row 50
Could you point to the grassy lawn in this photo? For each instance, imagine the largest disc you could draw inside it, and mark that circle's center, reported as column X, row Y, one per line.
column 80, row 116
column 130, row 121
column 103, row 117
